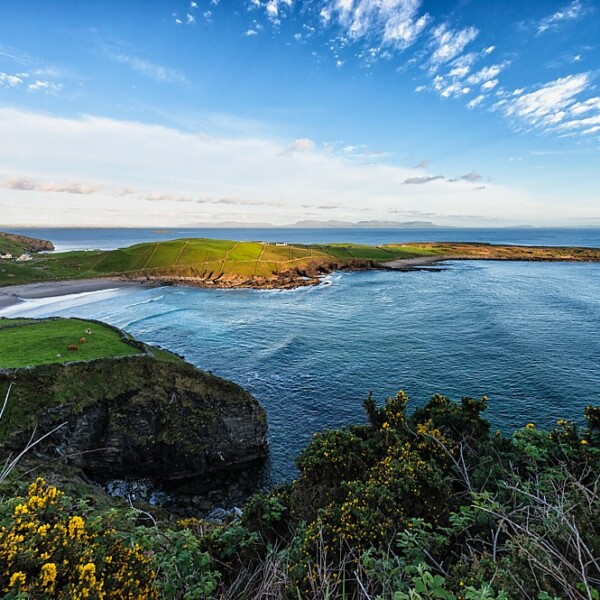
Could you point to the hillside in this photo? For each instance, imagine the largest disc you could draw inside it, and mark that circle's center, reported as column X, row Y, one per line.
column 219, row 263
column 12, row 243
column 229, row 264
column 127, row 410
column 28, row 342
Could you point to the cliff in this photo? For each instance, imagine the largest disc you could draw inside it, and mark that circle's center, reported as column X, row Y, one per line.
column 17, row 244
column 148, row 415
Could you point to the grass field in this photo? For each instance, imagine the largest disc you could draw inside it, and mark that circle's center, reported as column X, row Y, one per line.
column 209, row 260
column 30, row 343
column 200, row 258
column 8, row 246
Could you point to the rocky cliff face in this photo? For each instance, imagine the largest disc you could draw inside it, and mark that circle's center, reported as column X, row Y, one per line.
column 135, row 417
column 26, row 243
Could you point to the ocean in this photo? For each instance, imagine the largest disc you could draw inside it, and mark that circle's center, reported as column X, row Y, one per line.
column 107, row 239
column 527, row 335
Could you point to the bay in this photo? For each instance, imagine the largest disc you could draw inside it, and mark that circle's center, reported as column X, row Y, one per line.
column 525, row 334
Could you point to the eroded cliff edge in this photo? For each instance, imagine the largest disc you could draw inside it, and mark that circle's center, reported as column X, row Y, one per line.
column 149, row 415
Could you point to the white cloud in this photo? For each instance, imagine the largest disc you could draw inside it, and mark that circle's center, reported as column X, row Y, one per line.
column 571, row 12
column 449, row 89
column 448, row 43
column 155, row 71
column 15, row 80
column 548, row 105
column 459, row 72
column 48, row 87
column 589, row 105
column 394, row 23
column 476, row 101
column 227, row 177
column 274, row 9
column 487, row 73
column 301, row 145
column 489, row 85
column 20, row 79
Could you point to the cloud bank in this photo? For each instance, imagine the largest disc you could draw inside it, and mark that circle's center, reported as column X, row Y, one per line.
column 148, row 175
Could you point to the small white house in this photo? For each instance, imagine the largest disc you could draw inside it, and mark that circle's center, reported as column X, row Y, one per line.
column 6, row 256
column 24, row 257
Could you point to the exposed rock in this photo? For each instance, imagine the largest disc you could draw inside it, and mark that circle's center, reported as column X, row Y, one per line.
column 136, row 417
column 27, row 243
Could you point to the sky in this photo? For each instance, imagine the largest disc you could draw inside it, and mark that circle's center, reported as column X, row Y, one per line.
column 188, row 113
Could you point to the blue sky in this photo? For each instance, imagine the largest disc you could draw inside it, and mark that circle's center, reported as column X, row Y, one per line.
column 187, row 113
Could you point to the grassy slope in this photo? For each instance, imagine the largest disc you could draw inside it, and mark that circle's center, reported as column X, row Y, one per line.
column 11, row 247
column 31, row 343
column 242, row 261
column 194, row 258
column 17, row 244
column 36, row 343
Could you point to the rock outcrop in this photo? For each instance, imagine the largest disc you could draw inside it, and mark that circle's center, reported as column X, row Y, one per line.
column 28, row 244
column 134, row 417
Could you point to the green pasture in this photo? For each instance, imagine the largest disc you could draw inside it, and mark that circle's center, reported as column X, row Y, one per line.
column 198, row 258
column 32, row 343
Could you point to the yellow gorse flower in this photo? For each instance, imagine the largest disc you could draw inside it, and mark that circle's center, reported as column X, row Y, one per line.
column 45, row 550
column 17, row 579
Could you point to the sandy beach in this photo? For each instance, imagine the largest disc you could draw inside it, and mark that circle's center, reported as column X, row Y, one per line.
column 15, row 294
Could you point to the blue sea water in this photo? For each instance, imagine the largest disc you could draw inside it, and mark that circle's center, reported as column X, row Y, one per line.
column 106, row 239
column 525, row 334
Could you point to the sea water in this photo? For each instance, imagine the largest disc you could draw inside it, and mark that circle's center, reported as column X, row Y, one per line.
column 107, row 239
column 527, row 335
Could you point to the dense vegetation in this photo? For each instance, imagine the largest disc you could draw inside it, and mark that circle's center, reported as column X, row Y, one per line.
column 430, row 504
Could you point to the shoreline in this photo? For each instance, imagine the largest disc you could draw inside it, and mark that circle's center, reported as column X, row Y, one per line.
column 12, row 295
column 16, row 294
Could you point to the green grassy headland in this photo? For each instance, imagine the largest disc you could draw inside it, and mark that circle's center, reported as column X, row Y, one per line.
column 27, row 342
column 15, row 244
column 227, row 263
column 196, row 258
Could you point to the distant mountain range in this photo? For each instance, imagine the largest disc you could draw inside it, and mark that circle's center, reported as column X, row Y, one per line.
column 310, row 224
column 363, row 224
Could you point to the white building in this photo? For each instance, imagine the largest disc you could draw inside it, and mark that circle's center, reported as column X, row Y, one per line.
column 24, row 257
column 6, row 256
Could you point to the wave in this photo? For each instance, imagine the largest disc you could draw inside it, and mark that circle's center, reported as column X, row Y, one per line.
column 158, row 315
column 148, row 301
column 29, row 306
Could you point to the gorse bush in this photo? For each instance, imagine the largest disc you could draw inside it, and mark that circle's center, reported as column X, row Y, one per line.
column 46, row 550
column 428, row 504
column 431, row 504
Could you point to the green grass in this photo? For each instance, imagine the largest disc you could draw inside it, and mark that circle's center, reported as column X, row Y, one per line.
column 206, row 259
column 5, row 322
column 201, row 258
column 8, row 246
column 33, row 343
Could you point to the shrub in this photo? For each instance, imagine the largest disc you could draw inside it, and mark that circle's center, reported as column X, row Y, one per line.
column 48, row 550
